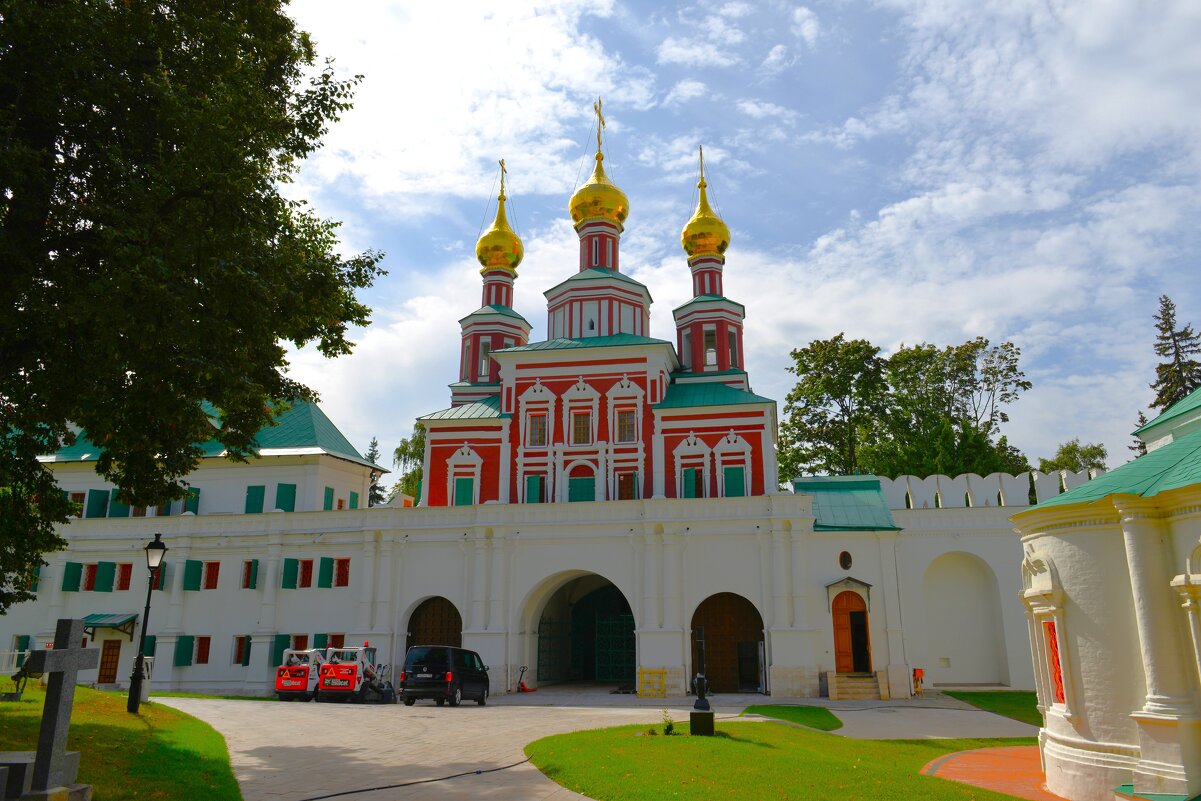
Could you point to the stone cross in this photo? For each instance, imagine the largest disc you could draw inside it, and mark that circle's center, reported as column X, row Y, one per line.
column 63, row 664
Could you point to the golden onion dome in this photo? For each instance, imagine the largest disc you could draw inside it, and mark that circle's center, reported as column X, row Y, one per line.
column 706, row 234
column 599, row 198
column 500, row 247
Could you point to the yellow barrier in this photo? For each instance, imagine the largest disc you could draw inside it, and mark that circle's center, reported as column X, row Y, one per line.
column 652, row 683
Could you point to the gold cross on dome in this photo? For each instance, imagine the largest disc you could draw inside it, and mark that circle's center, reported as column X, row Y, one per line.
column 503, row 172
column 600, row 122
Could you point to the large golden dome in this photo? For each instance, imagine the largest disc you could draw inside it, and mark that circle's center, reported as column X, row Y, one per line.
column 599, row 198
column 706, row 234
column 499, row 247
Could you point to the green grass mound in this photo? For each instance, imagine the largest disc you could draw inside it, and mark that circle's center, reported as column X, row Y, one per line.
column 751, row 761
column 815, row 717
column 1017, row 704
column 157, row 755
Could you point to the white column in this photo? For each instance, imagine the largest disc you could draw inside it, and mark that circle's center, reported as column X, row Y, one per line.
column 658, row 466
column 366, row 582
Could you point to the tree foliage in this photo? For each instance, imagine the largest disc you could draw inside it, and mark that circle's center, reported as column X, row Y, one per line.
column 409, row 459
column 921, row 411
column 1137, row 445
column 375, row 495
column 151, row 263
column 1180, row 373
column 1074, row 456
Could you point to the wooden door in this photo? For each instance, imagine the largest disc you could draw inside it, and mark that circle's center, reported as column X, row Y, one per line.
column 730, row 625
column 110, row 655
column 850, row 641
column 436, row 622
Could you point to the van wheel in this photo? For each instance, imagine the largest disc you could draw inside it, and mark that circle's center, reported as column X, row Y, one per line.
column 483, row 699
column 410, row 701
column 457, row 697
column 439, row 701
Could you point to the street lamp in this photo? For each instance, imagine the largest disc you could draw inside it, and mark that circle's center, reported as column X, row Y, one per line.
column 155, row 551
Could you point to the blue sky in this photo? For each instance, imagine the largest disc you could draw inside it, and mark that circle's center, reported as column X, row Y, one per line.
column 902, row 171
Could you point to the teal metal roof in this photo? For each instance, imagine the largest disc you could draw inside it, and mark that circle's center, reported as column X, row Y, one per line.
column 707, row 394
column 108, row 621
column 493, row 308
column 687, row 376
column 486, row 409
column 612, row 341
column 847, row 503
column 596, row 274
column 1189, row 403
column 1175, row 465
column 303, row 425
column 709, row 299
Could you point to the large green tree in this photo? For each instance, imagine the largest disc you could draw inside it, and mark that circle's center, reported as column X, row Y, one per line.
column 1075, row 456
column 409, row 459
column 1180, row 348
column 152, row 269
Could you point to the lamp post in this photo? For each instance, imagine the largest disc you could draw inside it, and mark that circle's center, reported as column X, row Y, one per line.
column 155, row 551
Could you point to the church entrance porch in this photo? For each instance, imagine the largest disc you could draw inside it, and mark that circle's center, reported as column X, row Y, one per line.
column 435, row 621
column 852, row 644
column 586, row 634
column 729, row 629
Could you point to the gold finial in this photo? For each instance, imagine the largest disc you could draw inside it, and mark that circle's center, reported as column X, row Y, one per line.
column 702, row 184
column 706, row 233
column 600, row 126
column 500, row 247
column 503, row 172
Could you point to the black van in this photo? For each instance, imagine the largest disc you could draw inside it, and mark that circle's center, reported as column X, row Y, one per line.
column 443, row 673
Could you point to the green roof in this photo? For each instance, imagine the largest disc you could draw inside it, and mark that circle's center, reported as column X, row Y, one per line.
column 847, row 503
column 709, row 299
column 108, row 621
column 707, row 394
column 612, row 341
column 304, row 425
column 596, row 274
column 488, row 408
column 1175, row 465
column 1189, row 403
column 494, row 308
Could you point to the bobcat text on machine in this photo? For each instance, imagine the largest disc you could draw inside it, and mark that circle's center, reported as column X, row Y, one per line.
column 352, row 674
column 296, row 678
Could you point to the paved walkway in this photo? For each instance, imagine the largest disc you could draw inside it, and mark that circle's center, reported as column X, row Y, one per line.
column 298, row 752
column 1016, row 770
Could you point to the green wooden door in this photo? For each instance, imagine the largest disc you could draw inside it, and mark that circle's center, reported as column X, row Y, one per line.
column 581, row 489
column 735, row 481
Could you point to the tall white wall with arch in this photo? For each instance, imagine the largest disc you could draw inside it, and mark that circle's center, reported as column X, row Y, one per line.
column 965, row 639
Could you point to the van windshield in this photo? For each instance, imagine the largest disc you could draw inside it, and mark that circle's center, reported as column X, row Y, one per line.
column 433, row 657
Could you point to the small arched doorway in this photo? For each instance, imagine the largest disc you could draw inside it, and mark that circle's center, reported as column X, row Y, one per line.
column 729, row 629
column 852, row 643
column 435, row 621
column 586, row 634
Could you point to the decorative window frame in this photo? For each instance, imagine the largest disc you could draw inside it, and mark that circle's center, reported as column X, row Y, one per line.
column 692, row 452
column 732, row 451
column 537, row 399
column 464, row 463
column 569, row 468
column 1042, row 595
column 625, row 396
column 580, row 398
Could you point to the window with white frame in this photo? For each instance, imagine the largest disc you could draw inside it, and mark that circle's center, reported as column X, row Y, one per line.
column 536, row 436
column 627, row 428
column 581, row 428
column 710, row 347
column 485, row 360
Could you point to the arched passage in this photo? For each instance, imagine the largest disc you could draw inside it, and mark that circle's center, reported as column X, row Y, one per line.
column 586, row 633
column 964, row 635
column 852, row 642
column 730, row 630
column 435, row 621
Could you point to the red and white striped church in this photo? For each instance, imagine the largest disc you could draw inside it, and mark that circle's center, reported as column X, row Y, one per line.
column 600, row 410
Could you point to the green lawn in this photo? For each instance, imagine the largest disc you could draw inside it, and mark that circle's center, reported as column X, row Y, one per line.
column 160, row 754
column 753, row 761
column 815, row 717
column 1017, row 704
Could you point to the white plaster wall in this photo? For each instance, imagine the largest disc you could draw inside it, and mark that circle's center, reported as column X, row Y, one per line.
column 965, row 643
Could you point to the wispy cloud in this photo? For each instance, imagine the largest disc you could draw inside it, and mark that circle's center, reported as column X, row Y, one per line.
column 694, row 53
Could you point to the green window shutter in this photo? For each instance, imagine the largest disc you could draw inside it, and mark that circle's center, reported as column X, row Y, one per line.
column 106, row 572
column 291, row 568
column 279, row 644
column 254, row 574
column 246, row 652
column 183, row 650
column 115, row 507
column 689, row 482
column 254, row 499
column 533, row 489
column 192, row 570
column 192, row 502
column 285, row 497
column 163, row 576
column 354, row 500
column 325, row 572
column 320, row 641
column 97, row 503
column 37, row 579
column 464, row 491
column 735, row 481
column 581, row 489
column 329, row 499
column 72, row 576
column 417, row 496
column 22, row 645
column 151, row 642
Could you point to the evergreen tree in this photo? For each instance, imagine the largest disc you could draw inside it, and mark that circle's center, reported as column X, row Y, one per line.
column 375, row 496
column 1180, row 374
column 1138, row 446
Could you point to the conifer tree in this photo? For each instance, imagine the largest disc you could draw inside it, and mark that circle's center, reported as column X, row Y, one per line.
column 1180, row 374
column 375, row 497
column 1138, row 446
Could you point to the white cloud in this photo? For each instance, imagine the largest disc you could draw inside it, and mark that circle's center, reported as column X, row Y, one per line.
column 685, row 90
column 805, row 25
column 776, row 60
column 760, row 109
column 693, row 53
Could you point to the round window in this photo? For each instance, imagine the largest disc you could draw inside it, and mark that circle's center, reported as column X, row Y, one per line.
column 844, row 560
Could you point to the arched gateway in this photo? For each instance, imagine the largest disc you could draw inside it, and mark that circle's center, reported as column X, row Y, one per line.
column 435, row 621
column 731, row 630
column 586, row 633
